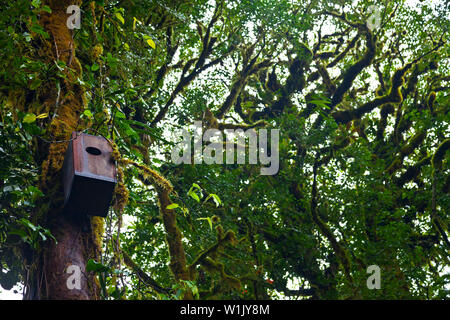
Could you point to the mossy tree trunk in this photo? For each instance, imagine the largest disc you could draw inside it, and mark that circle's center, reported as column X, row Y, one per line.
column 64, row 103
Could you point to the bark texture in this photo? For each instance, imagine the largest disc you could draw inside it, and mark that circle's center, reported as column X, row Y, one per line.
column 75, row 244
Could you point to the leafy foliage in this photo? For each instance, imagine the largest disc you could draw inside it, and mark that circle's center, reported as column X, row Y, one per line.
column 364, row 128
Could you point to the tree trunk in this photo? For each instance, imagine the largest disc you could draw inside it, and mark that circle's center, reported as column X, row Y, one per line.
column 75, row 244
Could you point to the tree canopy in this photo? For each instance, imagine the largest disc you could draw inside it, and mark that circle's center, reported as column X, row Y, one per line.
column 359, row 91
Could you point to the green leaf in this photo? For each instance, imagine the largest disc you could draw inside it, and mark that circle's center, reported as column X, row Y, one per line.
column 95, row 67
column 29, row 118
column 46, row 9
column 320, row 103
column 134, row 22
column 151, row 43
column 193, row 195
column 95, row 266
column 120, row 17
column 43, row 237
column 120, row 115
column 88, row 113
column 47, row 233
column 185, row 210
column 216, row 199
column 209, row 221
column 36, row 3
column 28, row 224
column 172, row 206
column 42, row 116
column 27, row 36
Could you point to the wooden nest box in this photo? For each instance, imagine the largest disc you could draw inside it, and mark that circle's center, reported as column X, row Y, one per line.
column 89, row 175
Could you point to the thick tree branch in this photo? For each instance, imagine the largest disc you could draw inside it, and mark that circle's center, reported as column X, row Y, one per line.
column 352, row 72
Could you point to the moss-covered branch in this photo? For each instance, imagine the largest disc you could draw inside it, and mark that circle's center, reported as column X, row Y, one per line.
column 164, row 188
column 208, row 258
column 143, row 275
column 412, row 172
column 340, row 251
column 353, row 71
column 393, row 96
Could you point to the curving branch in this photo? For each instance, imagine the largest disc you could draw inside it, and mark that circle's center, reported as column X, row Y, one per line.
column 326, row 231
column 143, row 276
column 353, row 71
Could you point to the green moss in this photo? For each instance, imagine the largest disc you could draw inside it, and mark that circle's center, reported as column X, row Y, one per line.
column 439, row 155
column 98, row 227
column 396, row 164
column 413, row 143
column 431, row 100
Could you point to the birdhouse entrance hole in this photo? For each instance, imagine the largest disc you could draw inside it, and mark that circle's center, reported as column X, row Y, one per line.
column 94, row 151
